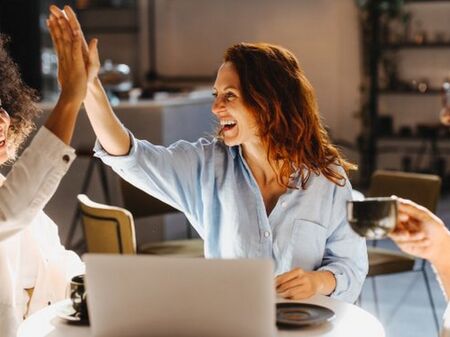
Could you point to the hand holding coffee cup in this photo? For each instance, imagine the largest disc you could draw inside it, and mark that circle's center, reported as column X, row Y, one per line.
column 372, row 218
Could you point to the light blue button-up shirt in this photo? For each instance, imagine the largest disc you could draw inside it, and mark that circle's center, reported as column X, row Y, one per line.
column 213, row 186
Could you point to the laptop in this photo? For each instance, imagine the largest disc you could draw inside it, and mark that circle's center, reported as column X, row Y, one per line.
column 142, row 295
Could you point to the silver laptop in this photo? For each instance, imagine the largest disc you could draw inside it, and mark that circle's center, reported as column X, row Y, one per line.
column 138, row 295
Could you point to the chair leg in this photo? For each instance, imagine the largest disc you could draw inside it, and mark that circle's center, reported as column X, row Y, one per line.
column 76, row 216
column 430, row 297
column 104, row 180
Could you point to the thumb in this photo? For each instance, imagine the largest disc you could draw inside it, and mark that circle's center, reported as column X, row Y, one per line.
column 93, row 52
column 94, row 62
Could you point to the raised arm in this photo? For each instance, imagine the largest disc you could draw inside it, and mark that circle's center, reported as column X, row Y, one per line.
column 109, row 130
column 72, row 78
column 35, row 176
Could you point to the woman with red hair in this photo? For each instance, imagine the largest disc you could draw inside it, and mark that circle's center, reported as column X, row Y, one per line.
column 270, row 185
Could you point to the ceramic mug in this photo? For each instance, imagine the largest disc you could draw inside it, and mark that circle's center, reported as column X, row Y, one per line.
column 372, row 218
column 78, row 297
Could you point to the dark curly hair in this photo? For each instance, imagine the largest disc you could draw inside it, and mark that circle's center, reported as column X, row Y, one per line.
column 284, row 104
column 17, row 99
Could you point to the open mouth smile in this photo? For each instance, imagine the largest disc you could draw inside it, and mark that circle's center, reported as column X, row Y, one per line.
column 227, row 124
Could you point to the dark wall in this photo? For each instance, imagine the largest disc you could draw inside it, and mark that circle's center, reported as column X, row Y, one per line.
column 20, row 20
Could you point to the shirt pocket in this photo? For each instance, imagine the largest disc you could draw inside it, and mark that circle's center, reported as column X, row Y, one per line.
column 308, row 243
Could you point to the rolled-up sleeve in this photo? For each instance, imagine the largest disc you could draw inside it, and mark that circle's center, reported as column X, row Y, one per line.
column 345, row 252
column 32, row 181
column 118, row 163
column 171, row 174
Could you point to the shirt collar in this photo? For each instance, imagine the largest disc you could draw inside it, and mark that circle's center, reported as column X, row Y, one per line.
column 235, row 150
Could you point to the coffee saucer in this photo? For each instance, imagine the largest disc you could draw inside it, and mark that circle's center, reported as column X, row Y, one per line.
column 70, row 316
column 291, row 315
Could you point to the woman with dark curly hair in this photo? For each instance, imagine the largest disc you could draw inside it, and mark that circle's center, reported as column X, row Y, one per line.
column 270, row 186
column 35, row 269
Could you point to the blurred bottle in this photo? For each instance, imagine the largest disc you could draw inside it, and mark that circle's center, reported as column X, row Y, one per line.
column 445, row 94
column 116, row 79
column 49, row 68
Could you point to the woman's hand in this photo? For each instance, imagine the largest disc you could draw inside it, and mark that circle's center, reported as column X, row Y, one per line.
column 69, row 23
column 110, row 132
column 420, row 233
column 71, row 68
column 298, row 284
column 72, row 76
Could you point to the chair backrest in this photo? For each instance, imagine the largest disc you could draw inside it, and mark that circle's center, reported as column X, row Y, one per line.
column 107, row 229
column 141, row 204
column 423, row 189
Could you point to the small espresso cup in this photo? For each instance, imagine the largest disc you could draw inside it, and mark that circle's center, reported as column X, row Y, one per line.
column 78, row 297
column 372, row 218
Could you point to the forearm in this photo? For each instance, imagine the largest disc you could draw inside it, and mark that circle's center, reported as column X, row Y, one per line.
column 107, row 127
column 61, row 121
column 325, row 282
column 32, row 181
column 442, row 265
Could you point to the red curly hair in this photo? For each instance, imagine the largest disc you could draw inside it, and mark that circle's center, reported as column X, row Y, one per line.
column 284, row 104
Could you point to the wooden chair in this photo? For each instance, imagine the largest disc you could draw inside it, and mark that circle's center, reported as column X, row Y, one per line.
column 110, row 229
column 140, row 204
column 423, row 189
column 107, row 229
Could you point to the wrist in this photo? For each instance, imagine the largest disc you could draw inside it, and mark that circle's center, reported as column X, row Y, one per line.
column 324, row 282
column 69, row 101
column 440, row 259
column 93, row 84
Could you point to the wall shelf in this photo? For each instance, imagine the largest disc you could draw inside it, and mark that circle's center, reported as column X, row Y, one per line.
column 413, row 45
column 429, row 92
column 376, row 27
column 424, row 1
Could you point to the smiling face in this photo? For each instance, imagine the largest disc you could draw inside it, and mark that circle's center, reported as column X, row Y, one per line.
column 237, row 123
column 4, row 127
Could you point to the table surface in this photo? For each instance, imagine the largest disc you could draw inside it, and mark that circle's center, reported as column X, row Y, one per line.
column 350, row 321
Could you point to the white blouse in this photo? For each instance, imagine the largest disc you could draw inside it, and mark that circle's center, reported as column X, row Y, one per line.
column 31, row 254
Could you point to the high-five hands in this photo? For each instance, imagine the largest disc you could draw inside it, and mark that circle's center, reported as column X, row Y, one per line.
column 77, row 64
column 110, row 132
column 64, row 26
column 71, row 69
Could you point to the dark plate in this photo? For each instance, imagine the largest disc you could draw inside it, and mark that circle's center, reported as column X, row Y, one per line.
column 71, row 317
column 302, row 314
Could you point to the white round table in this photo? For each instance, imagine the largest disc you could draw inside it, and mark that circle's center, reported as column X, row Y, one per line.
column 350, row 321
